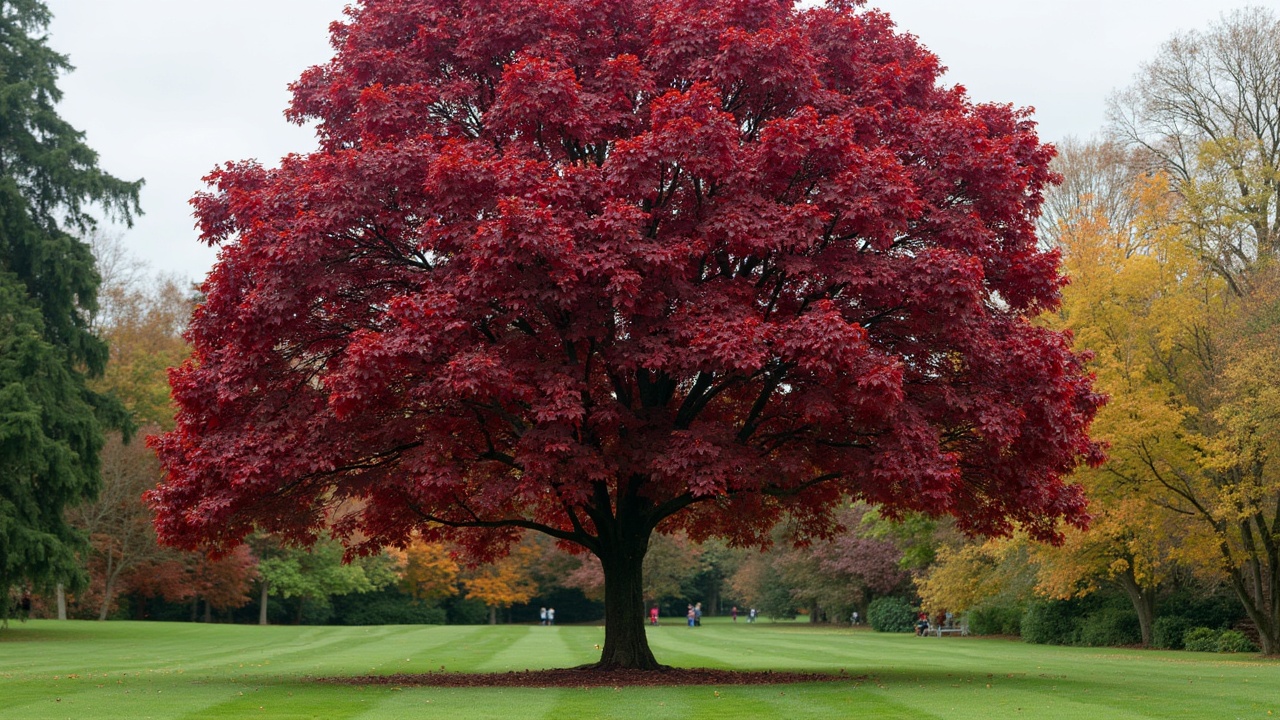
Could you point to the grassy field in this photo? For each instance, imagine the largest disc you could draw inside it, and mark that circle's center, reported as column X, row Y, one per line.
column 84, row 671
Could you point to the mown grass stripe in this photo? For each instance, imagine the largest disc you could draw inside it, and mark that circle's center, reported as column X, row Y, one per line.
column 540, row 648
column 175, row 672
column 293, row 702
column 491, row 704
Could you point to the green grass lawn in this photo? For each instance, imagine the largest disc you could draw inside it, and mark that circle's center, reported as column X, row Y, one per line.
column 85, row 670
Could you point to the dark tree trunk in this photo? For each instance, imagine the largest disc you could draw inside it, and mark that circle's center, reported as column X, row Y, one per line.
column 625, row 644
column 493, row 614
column 1265, row 615
column 1144, row 603
column 1257, row 582
column 1262, row 616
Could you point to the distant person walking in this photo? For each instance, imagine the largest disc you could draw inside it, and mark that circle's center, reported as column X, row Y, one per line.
column 854, row 619
column 653, row 615
column 691, row 616
column 551, row 616
column 751, row 615
column 542, row 615
column 697, row 615
column 734, row 613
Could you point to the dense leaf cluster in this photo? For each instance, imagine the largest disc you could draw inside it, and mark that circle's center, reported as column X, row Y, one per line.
column 598, row 268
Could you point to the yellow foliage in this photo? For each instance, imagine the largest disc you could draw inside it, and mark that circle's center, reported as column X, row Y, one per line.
column 507, row 581
column 1185, row 343
column 427, row 570
column 144, row 333
column 1143, row 303
column 963, row 578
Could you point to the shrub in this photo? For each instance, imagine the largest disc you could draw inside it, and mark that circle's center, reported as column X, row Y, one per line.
column 1167, row 632
column 891, row 614
column 1213, row 611
column 776, row 603
column 314, row 610
column 1003, row 620
column 387, row 607
column 1050, row 623
column 1201, row 639
column 1110, row 627
column 1234, row 641
column 463, row 611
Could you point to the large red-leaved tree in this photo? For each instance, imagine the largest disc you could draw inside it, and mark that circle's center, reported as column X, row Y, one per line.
column 600, row 268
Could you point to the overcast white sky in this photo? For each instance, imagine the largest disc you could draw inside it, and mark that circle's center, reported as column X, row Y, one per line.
column 165, row 90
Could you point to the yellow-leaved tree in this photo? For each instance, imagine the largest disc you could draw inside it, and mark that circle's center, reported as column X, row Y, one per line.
column 1188, row 355
column 428, row 571
column 1204, row 110
column 976, row 574
column 504, row 582
column 1143, row 303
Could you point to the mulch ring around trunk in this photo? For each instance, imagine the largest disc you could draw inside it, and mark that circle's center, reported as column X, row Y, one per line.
column 590, row 677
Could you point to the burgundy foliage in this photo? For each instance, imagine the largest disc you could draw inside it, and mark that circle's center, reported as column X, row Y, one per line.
column 857, row 567
column 600, row 267
column 223, row 583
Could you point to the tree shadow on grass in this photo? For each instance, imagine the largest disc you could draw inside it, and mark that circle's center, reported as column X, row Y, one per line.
column 18, row 634
column 588, row 677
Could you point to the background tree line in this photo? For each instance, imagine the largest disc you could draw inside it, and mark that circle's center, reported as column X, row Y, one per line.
column 1168, row 225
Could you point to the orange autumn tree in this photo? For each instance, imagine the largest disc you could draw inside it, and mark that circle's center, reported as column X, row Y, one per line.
column 505, row 582
column 141, row 316
column 428, row 571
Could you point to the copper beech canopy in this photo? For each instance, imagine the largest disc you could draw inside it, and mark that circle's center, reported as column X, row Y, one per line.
column 599, row 267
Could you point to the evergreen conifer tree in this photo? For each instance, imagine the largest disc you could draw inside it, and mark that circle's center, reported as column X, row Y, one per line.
column 49, row 420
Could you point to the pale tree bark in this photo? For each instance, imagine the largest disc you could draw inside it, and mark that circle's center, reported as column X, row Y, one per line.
column 108, row 590
column 262, row 602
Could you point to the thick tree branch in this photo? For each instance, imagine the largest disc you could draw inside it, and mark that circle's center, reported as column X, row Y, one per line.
column 581, row 538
